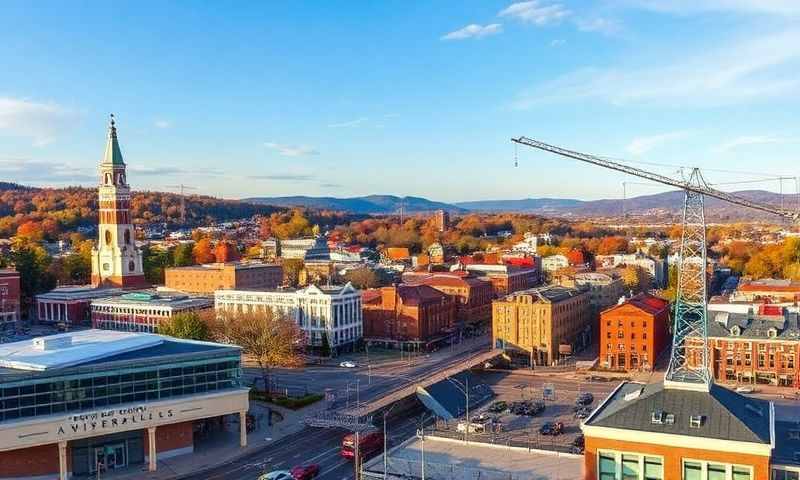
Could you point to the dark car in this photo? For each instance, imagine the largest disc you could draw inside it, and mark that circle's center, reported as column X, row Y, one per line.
column 305, row 472
column 578, row 444
column 527, row 408
column 584, row 399
column 498, row 407
column 552, row 428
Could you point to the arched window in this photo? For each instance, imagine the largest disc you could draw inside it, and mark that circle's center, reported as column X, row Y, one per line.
column 108, row 237
column 131, row 266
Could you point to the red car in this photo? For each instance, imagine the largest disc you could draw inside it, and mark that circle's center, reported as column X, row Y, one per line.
column 370, row 442
column 305, row 472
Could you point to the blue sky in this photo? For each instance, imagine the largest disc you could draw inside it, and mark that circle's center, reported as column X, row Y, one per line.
column 409, row 98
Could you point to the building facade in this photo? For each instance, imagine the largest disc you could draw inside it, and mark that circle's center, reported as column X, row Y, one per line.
column 761, row 347
column 656, row 268
column 505, row 279
column 143, row 311
column 116, row 260
column 332, row 311
column 604, row 290
column 408, row 314
column 768, row 289
column 542, row 324
column 208, row 278
column 10, row 297
column 70, row 306
column 473, row 296
column 441, row 220
column 84, row 404
column 634, row 333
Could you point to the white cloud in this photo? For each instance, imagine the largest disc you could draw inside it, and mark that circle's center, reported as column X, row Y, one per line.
column 350, row 123
column 25, row 170
column 291, row 150
column 41, row 122
column 535, row 12
column 162, row 124
column 752, row 69
column 474, row 31
column 641, row 145
column 685, row 7
column 748, row 140
column 602, row 25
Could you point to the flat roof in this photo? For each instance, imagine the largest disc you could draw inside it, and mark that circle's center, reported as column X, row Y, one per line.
column 72, row 348
column 81, row 292
column 446, row 459
column 219, row 266
column 156, row 299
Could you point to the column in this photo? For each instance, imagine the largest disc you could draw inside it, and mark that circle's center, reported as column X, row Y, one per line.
column 39, row 310
column 66, row 313
column 151, row 443
column 243, row 429
column 62, row 461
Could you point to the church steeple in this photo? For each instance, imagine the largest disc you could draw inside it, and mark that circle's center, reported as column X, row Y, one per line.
column 113, row 155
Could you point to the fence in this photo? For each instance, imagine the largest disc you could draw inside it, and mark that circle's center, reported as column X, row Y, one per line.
column 403, row 468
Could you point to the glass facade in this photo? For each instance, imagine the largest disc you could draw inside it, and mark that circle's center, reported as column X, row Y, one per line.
column 89, row 389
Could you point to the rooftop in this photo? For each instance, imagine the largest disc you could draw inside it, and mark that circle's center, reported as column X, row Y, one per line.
column 770, row 284
column 644, row 302
column 83, row 292
column 724, row 414
column 220, row 266
column 92, row 347
column 748, row 325
column 154, row 299
column 546, row 294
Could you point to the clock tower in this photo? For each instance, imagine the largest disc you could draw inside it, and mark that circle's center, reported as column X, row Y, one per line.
column 116, row 261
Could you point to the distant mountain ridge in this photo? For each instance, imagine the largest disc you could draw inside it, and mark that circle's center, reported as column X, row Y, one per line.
column 374, row 204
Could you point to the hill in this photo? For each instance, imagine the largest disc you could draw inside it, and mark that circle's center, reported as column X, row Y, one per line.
column 371, row 204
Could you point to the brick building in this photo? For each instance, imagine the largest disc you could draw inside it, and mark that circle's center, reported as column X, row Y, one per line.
column 761, row 347
column 10, row 295
column 542, row 324
column 473, row 296
column 634, row 333
column 70, row 305
column 408, row 314
column 691, row 432
column 505, row 279
column 208, row 278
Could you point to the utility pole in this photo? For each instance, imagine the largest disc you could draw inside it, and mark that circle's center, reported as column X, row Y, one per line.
column 357, row 455
column 183, row 187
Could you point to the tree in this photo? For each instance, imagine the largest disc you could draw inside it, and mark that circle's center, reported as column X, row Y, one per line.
column 325, row 350
column 226, row 252
column 32, row 262
column 187, row 325
column 635, row 278
column 31, row 231
column 271, row 339
column 202, row 251
column 183, row 255
column 154, row 261
column 291, row 271
column 363, row 278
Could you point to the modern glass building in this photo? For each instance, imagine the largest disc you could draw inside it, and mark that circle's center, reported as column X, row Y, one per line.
column 76, row 403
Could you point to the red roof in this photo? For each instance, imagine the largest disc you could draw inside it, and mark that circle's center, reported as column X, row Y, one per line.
column 519, row 261
column 417, row 294
column 645, row 302
column 370, row 296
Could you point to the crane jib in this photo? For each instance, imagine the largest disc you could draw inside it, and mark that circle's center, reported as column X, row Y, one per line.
column 655, row 177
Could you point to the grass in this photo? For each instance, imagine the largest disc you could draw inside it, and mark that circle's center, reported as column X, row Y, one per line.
column 293, row 403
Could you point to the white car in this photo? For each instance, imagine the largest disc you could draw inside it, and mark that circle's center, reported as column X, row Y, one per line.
column 745, row 389
column 348, row 364
column 277, row 475
column 473, row 427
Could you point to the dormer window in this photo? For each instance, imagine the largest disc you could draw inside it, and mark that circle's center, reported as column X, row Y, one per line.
column 695, row 421
column 736, row 331
column 772, row 332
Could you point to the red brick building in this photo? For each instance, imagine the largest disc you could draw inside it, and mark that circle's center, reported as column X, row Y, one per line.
column 473, row 296
column 768, row 289
column 634, row 333
column 505, row 279
column 761, row 347
column 9, row 298
column 410, row 314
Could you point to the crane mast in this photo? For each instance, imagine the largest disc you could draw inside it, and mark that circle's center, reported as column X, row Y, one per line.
column 689, row 365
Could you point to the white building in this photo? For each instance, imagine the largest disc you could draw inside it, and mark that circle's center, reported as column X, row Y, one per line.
column 657, row 268
column 554, row 262
column 528, row 244
column 318, row 310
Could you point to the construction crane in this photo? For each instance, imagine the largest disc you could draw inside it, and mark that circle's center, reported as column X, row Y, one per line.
column 183, row 187
column 691, row 311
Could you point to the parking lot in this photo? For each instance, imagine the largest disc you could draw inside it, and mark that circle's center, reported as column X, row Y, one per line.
column 558, row 394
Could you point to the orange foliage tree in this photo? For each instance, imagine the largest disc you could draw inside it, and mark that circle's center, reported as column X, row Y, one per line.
column 202, row 251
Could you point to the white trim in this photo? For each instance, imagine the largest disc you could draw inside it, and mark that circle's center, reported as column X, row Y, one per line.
column 618, row 462
column 728, row 468
column 678, row 441
column 606, row 400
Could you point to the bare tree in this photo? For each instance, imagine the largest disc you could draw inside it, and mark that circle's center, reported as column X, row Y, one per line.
column 271, row 339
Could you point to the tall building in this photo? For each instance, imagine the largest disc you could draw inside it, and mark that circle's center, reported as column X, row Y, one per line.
column 441, row 220
column 116, row 261
column 542, row 324
column 332, row 311
column 634, row 333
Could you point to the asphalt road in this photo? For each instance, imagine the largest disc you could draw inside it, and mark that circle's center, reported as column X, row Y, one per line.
column 311, row 445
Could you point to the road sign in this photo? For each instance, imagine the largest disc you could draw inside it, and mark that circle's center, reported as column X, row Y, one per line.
column 549, row 392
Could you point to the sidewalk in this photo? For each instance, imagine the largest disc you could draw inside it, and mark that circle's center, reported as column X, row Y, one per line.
column 224, row 448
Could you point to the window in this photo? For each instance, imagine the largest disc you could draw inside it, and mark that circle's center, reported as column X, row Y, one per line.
column 716, row 471
column 630, row 467
column 695, row 421
column 741, row 473
column 785, row 475
column 653, row 468
column 608, row 467
column 692, row 471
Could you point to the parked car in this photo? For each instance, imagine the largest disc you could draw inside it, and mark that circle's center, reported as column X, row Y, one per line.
column 277, row 475
column 369, row 442
column 584, row 399
column 305, row 472
column 583, row 412
column 498, row 407
column 473, row 427
column 348, row 364
column 745, row 389
column 552, row 428
column 578, row 444
column 527, row 407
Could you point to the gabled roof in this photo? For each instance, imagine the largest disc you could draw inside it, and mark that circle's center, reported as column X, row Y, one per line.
column 644, row 302
column 726, row 415
column 113, row 155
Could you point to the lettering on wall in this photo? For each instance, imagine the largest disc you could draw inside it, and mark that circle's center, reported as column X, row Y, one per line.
column 111, row 420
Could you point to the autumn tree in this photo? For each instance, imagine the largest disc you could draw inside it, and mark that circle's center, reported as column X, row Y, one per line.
column 226, row 251
column 32, row 262
column 291, row 271
column 612, row 245
column 203, row 252
column 30, row 231
column 183, row 255
column 636, row 279
column 270, row 339
column 363, row 278
column 187, row 325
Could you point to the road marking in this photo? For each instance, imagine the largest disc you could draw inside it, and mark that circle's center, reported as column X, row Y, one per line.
column 323, row 454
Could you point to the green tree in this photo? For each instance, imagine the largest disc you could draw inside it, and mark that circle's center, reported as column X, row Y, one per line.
column 325, row 350
column 32, row 262
column 183, row 255
column 187, row 325
column 154, row 262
